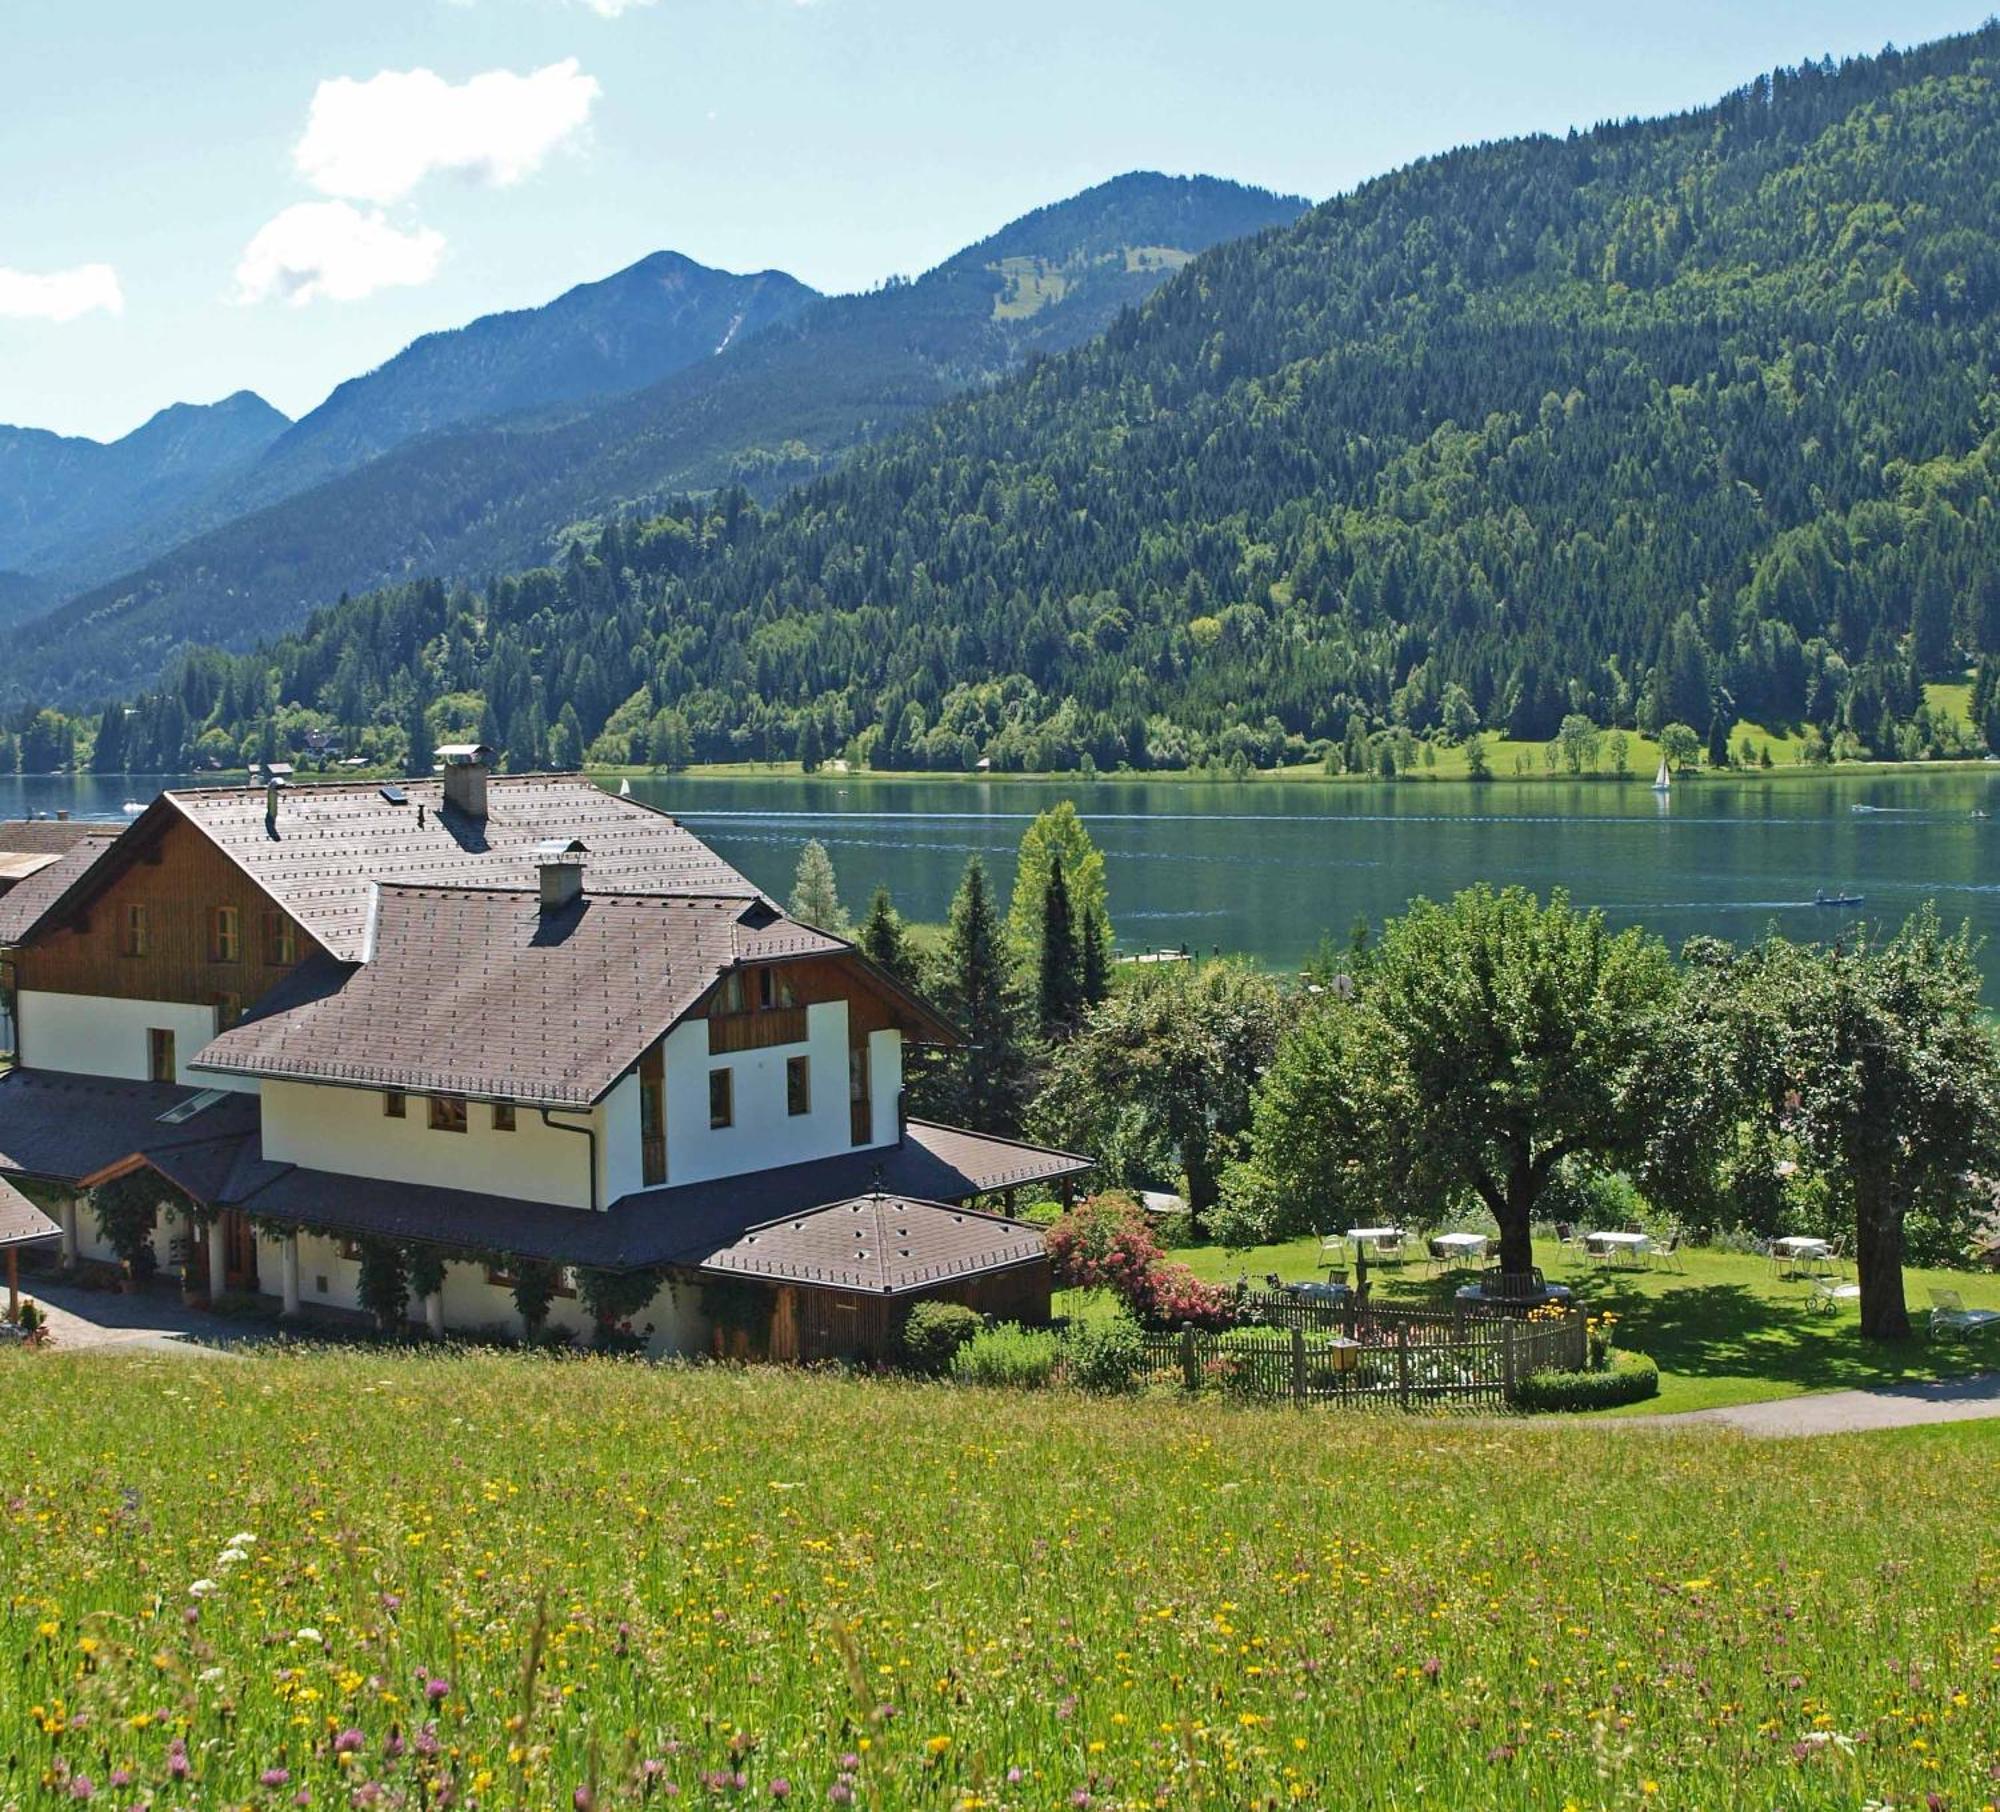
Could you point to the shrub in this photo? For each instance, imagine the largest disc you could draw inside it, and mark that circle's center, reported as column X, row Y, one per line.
column 1102, row 1244
column 933, row 1334
column 1008, row 1356
column 1170, row 1294
column 1630, row 1378
column 1105, row 1357
column 384, row 1285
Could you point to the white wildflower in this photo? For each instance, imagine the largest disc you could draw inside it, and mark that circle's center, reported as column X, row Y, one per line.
column 202, row 1588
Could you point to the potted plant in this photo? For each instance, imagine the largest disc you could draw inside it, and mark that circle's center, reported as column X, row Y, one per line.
column 32, row 1323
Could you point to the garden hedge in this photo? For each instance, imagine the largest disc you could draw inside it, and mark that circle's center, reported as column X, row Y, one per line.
column 1630, row 1378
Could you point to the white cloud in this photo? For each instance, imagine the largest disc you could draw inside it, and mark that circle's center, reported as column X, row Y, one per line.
column 615, row 9
column 59, row 295
column 332, row 250
column 377, row 140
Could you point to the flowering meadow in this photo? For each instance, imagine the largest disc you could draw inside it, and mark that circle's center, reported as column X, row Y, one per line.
column 356, row 1579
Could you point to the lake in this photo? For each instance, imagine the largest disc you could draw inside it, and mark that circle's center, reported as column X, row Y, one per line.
column 1268, row 867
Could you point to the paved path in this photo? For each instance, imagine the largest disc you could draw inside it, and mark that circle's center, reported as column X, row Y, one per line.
column 103, row 1320
column 1848, row 1411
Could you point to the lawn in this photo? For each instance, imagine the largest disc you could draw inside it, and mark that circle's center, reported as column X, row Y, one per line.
column 365, row 1579
column 1724, row 1330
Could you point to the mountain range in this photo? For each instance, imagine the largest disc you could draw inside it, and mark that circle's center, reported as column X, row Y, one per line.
column 474, row 451
column 1674, row 421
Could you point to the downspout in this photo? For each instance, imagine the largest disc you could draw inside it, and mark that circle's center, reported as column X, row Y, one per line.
column 590, row 1133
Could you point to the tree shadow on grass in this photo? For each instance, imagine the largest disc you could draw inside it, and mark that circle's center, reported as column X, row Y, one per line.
column 1729, row 1330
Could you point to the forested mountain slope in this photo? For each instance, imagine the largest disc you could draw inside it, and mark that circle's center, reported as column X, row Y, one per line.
column 771, row 408
column 66, row 500
column 1659, row 422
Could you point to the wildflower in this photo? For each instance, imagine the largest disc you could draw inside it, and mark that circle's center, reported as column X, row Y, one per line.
column 841, row 1794
column 348, row 1742
column 178, row 1764
column 308, row 1634
column 275, row 1777
column 938, row 1745
column 581, row 1800
column 781, row 1788
column 80, row 1788
column 436, row 1688
column 849, row 1763
column 202, row 1588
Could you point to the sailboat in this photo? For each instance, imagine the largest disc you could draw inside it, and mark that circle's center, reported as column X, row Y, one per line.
column 624, row 789
column 1663, row 781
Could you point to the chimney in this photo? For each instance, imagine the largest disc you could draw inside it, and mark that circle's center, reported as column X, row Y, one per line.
column 560, row 866
column 271, row 807
column 466, row 766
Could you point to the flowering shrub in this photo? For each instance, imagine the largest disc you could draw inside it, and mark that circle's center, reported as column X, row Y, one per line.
column 1105, row 1244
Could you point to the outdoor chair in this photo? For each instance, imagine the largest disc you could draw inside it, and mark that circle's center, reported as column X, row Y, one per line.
column 1666, row 1256
column 1389, row 1249
column 1833, row 1262
column 1569, row 1240
column 1333, row 1254
column 1827, row 1297
column 1950, row 1316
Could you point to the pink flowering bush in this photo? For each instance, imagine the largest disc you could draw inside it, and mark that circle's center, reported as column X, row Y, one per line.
column 1105, row 1244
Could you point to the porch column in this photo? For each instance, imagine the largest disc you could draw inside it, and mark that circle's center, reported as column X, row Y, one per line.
column 288, row 1274
column 218, row 1260
column 72, row 1240
column 434, row 1314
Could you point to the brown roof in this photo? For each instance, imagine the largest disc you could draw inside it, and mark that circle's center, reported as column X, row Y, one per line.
column 21, row 1222
column 878, row 1245
column 475, row 991
column 332, row 841
column 22, row 905
column 48, row 836
column 67, row 1127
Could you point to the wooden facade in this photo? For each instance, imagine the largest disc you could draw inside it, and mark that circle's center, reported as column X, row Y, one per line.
column 810, row 1325
column 177, row 920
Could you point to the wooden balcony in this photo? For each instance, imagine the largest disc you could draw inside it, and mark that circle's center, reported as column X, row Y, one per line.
column 757, row 1030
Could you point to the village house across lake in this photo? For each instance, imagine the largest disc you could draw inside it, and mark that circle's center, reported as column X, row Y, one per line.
column 498, row 1021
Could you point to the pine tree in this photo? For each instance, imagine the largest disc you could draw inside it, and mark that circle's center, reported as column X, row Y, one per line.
column 417, row 727
column 983, row 1084
column 1059, row 969
column 883, row 938
column 1095, row 971
column 1718, row 742
column 815, row 893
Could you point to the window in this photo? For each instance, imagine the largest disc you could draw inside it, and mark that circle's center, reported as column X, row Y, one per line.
column 348, row 1250
column 860, row 1107
column 798, row 1086
column 721, row 1099
column 728, row 994
column 653, row 1116
column 132, row 939
column 395, row 1105
column 225, row 935
column 160, row 1065
column 503, row 1116
column 281, row 940
column 447, row 1113
column 773, row 991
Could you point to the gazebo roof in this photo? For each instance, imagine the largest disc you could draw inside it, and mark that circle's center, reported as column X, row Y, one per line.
column 21, row 1222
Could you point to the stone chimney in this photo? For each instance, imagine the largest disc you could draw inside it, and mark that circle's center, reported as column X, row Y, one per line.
column 466, row 766
column 560, row 866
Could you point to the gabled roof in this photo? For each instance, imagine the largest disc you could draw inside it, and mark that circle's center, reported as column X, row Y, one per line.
column 878, row 1245
column 477, row 991
column 48, row 836
column 330, row 842
column 23, row 905
column 66, row 1127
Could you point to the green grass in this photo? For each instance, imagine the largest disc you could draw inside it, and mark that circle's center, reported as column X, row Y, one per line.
column 1725, row 1330
column 984, row 1600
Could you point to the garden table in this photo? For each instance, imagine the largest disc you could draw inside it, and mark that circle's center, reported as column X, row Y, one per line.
column 1619, row 1248
column 1797, row 1249
column 1460, row 1247
column 1371, row 1235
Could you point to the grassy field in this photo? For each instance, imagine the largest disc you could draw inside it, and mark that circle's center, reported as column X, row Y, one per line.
column 362, row 1579
column 1724, row 1328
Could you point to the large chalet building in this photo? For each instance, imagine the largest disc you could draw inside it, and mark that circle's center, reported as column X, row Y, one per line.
column 507, row 1019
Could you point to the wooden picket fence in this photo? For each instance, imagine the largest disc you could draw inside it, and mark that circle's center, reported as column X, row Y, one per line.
column 1399, row 1358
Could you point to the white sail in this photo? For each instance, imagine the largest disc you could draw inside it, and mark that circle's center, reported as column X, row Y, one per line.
column 1663, row 779
column 624, row 789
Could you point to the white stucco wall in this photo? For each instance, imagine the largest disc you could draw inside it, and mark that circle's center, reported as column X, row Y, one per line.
column 99, row 1035
column 885, row 1081
column 620, row 1158
column 763, row 1135
column 345, row 1130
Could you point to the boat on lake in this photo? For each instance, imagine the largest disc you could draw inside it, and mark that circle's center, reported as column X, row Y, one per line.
column 1663, row 781
column 1823, row 898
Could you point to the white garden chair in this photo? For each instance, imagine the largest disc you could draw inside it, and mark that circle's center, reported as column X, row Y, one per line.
column 1827, row 1297
column 1950, row 1316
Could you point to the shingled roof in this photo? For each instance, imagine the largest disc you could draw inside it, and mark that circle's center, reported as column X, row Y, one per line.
column 22, row 905
column 48, row 836
column 477, row 991
column 878, row 1245
column 330, row 842
column 21, row 1222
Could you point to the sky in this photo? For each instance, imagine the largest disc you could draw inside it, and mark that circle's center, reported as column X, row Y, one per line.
column 278, row 194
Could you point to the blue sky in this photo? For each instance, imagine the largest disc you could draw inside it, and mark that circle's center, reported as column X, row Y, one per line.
column 277, row 194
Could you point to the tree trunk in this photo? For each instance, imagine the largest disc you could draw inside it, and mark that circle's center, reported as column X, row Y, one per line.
column 1878, row 1260
column 1517, row 1250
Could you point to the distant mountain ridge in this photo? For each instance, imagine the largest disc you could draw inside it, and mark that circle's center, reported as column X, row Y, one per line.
column 776, row 405
column 62, row 492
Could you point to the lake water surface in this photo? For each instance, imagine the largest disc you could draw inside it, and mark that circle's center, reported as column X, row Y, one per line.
column 1268, row 867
